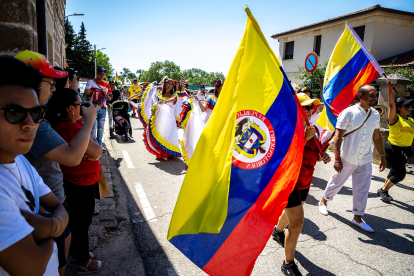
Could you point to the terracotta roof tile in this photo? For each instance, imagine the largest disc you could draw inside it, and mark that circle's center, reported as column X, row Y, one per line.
column 342, row 17
column 404, row 59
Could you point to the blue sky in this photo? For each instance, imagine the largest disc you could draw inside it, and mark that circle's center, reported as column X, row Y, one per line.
column 196, row 34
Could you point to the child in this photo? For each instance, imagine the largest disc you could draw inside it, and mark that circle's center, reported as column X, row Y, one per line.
column 121, row 120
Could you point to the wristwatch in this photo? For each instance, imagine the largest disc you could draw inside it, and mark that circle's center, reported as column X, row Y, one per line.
column 46, row 214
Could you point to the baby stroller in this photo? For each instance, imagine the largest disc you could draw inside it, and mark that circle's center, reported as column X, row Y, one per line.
column 122, row 108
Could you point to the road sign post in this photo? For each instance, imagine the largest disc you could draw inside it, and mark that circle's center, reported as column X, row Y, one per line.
column 311, row 63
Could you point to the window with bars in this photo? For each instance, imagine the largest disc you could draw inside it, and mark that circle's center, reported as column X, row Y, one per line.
column 317, row 45
column 360, row 32
column 289, row 50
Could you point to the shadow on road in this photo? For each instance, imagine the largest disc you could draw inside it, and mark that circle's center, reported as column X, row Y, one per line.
column 312, row 268
column 313, row 230
column 155, row 259
column 173, row 166
column 383, row 236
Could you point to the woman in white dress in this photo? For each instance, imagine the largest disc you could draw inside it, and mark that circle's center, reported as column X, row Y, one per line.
column 161, row 135
column 194, row 117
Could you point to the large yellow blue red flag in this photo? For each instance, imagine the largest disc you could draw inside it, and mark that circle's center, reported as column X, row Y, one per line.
column 351, row 65
column 244, row 166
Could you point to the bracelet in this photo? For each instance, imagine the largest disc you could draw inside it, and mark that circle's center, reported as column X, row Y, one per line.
column 336, row 156
column 382, row 155
column 389, row 90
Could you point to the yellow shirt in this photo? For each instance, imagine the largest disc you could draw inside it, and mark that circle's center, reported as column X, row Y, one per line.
column 402, row 132
column 133, row 89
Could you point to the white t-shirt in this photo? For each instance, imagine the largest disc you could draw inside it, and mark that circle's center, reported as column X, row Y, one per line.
column 13, row 226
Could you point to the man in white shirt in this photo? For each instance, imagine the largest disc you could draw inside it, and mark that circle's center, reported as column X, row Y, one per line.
column 354, row 155
column 30, row 214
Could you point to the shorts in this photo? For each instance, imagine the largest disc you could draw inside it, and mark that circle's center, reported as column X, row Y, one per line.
column 296, row 198
column 60, row 243
column 135, row 100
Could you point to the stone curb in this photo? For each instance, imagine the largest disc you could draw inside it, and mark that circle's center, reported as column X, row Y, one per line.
column 107, row 217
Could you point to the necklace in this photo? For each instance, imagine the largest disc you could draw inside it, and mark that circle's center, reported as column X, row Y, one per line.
column 31, row 203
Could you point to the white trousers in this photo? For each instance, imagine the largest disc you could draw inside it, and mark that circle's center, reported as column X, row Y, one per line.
column 361, row 181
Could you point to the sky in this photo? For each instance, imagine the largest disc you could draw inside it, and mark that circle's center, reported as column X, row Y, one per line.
column 196, row 34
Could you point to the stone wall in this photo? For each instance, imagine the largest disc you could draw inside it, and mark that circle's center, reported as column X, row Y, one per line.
column 18, row 28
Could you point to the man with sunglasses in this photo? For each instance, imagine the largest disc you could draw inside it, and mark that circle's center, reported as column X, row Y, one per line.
column 293, row 213
column 99, row 91
column 31, row 215
column 353, row 156
column 49, row 149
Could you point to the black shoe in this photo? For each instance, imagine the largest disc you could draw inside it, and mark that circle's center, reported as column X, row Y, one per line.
column 290, row 269
column 384, row 196
column 279, row 237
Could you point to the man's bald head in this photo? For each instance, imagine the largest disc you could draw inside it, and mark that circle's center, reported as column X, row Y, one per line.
column 365, row 89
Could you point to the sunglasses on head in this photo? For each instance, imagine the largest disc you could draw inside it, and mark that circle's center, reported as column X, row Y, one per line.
column 308, row 107
column 16, row 114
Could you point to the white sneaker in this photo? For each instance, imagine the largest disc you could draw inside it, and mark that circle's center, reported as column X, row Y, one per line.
column 363, row 226
column 323, row 209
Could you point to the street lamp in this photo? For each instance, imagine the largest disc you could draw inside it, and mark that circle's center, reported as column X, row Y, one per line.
column 94, row 48
column 75, row 14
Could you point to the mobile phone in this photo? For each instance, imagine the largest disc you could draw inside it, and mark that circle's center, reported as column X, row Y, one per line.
column 86, row 105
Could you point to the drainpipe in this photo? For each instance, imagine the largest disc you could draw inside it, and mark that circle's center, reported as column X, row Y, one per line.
column 41, row 27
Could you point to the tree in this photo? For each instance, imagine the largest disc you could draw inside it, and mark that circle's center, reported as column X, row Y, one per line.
column 405, row 71
column 126, row 73
column 102, row 61
column 316, row 76
column 70, row 40
column 82, row 57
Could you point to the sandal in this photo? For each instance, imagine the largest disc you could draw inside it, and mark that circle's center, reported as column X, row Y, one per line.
column 85, row 269
column 92, row 256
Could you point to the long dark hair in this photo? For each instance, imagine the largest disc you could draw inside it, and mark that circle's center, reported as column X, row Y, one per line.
column 219, row 83
column 179, row 85
column 58, row 103
column 61, row 82
column 164, row 89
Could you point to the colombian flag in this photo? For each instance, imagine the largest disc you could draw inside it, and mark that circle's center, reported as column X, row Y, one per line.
column 244, row 166
column 350, row 66
column 116, row 80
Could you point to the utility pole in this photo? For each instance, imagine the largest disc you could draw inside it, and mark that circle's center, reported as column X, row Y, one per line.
column 94, row 49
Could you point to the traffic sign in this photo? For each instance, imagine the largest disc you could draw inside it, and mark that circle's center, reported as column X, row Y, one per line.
column 311, row 62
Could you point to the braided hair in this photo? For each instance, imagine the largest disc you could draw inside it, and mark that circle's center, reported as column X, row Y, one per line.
column 58, row 104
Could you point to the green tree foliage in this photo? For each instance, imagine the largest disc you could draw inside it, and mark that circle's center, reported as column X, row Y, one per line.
column 194, row 76
column 407, row 72
column 70, row 39
column 126, row 73
column 316, row 76
column 102, row 61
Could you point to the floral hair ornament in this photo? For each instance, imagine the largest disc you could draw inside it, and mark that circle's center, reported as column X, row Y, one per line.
column 218, row 82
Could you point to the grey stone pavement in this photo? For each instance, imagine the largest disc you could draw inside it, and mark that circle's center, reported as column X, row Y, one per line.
column 328, row 245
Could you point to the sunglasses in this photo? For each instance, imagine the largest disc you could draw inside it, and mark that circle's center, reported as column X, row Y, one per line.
column 309, row 107
column 17, row 114
column 52, row 83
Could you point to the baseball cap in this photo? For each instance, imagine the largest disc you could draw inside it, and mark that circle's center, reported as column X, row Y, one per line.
column 400, row 102
column 41, row 63
column 101, row 70
column 202, row 86
column 306, row 100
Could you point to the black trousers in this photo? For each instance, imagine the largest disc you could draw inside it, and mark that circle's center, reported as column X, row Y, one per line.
column 81, row 205
column 397, row 159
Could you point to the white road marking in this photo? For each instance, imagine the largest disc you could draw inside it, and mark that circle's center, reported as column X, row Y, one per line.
column 127, row 159
column 146, row 206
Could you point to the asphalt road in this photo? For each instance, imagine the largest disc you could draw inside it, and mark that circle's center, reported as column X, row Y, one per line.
column 328, row 245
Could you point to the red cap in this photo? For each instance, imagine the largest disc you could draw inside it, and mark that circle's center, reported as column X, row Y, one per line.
column 40, row 62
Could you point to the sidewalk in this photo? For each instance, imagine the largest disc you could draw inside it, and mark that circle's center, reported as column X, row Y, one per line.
column 110, row 234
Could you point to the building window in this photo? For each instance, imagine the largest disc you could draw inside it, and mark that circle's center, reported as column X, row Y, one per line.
column 317, row 45
column 360, row 32
column 289, row 50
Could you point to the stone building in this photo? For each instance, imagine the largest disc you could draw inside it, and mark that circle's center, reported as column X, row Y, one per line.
column 387, row 32
column 36, row 25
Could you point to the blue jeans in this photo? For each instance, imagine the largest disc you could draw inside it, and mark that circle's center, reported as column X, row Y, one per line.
column 98, row 125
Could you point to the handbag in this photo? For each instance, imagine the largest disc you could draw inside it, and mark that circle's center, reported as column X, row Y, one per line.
column 369, row 114
column 103, row 186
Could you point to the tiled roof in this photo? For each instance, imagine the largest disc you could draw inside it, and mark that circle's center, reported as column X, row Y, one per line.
column 404, row 59
column 342, row 17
